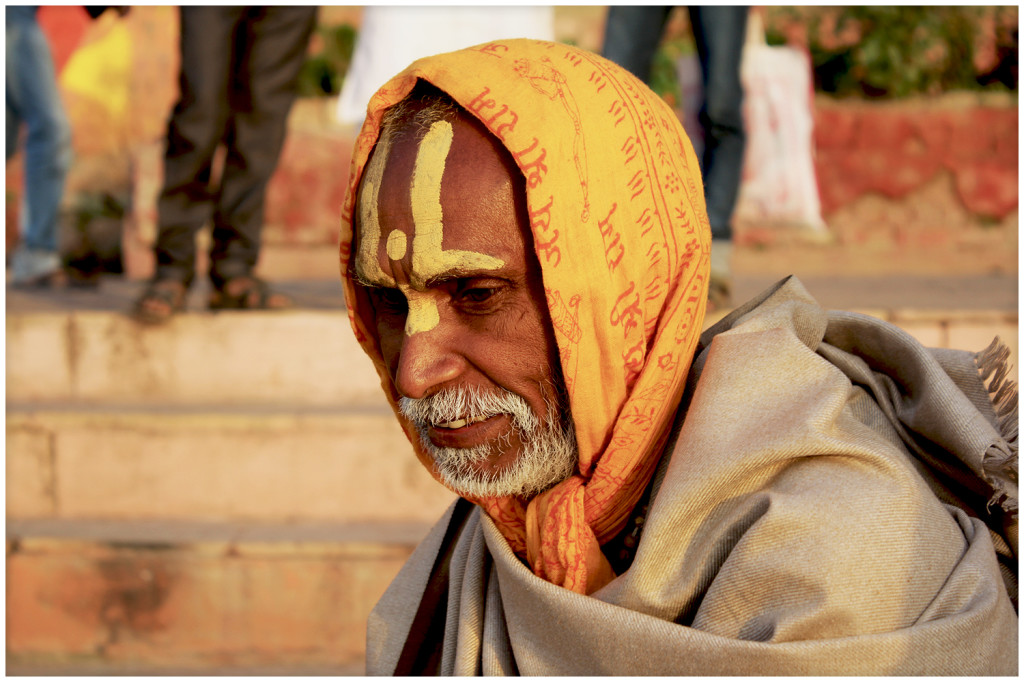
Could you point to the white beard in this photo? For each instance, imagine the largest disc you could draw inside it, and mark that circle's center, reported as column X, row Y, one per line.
column 549, row 454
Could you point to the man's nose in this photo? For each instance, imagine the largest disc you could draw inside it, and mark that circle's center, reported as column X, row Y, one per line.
column 428, row 360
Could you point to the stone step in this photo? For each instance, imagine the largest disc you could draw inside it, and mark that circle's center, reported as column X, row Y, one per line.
column 309, row 357
column 100, row 598
column 206, row 460
column 300, row 357
column 256, row 464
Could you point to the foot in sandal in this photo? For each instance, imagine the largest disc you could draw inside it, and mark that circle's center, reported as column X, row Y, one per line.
column 247, row 293
column 160, row 301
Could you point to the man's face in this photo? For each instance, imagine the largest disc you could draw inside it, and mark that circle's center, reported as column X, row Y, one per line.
column 443, row 251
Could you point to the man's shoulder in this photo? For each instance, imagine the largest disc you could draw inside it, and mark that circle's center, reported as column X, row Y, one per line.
column 412, row 609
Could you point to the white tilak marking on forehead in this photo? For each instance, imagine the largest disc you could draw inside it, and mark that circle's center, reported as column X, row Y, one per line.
column 423, row 313
column 429, row 259
column 367, row 264
column 396, row 245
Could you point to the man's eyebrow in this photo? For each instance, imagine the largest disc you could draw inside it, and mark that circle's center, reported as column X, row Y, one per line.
column 458, row 273
column 438, row 279
column 362, row 280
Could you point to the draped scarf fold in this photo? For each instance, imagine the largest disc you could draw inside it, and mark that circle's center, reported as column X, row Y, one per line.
column 616, row 210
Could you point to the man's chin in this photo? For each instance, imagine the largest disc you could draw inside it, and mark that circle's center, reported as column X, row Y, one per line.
column 478, row 475
column 480, row 472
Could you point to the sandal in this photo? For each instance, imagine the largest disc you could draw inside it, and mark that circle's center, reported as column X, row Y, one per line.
column 247, row 293
column 160, row 301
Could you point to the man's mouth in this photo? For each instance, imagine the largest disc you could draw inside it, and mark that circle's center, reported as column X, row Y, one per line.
column 468, row 432
column 459, row 423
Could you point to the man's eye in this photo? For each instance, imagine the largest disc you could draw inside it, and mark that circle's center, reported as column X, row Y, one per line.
column 389, row 300
column 476, row 294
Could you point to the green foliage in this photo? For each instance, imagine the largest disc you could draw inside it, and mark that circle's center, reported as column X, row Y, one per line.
column 899, row 52
column 324, row 70
column 908, row 50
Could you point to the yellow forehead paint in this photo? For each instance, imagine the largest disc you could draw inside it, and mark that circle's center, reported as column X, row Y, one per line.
column 367, row 265
column 428, row 258
column 396, row 245
column 423, row 314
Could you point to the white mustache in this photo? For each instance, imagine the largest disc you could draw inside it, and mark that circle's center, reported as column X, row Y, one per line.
column 455, row 407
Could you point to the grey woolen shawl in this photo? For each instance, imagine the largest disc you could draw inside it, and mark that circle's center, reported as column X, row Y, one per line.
column 839, row 500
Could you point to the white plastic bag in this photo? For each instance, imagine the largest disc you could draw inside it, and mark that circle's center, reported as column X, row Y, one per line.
column 779, row 185
column 779, row 181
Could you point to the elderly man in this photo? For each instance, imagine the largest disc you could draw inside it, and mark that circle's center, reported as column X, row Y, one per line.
column 525, row 250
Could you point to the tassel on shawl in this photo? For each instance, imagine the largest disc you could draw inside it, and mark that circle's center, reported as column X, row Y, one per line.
column 1000, row 460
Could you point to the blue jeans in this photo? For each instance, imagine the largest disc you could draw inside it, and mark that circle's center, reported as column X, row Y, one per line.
column 631, row 38
column 33, row 99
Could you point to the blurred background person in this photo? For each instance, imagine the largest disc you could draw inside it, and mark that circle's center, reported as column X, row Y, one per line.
column 33, row 99
column 632, row 35
column 237, row 84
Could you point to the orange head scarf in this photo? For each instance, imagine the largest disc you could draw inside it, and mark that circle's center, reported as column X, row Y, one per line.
column 616, row 208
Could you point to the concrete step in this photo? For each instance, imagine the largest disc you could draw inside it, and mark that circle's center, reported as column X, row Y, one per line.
column 300, row 357
column 227, row 464
column 272, row 415
column 309, row 357
column 99, row 598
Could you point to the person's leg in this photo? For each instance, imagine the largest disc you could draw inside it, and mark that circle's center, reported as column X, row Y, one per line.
column 33, row 97
column 13, row 120
column 275, row 41
column 196, row 127
column 720, row 32
column 13, row 31
column 632, row 34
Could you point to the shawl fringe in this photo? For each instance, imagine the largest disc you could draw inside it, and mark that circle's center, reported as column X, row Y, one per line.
column 1000, row 460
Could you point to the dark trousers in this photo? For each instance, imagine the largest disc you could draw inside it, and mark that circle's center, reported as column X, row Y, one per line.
column 237, row 84
column 632, row 35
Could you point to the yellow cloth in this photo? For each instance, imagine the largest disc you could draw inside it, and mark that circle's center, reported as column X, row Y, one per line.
column 101, row 69
column 620, row 229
